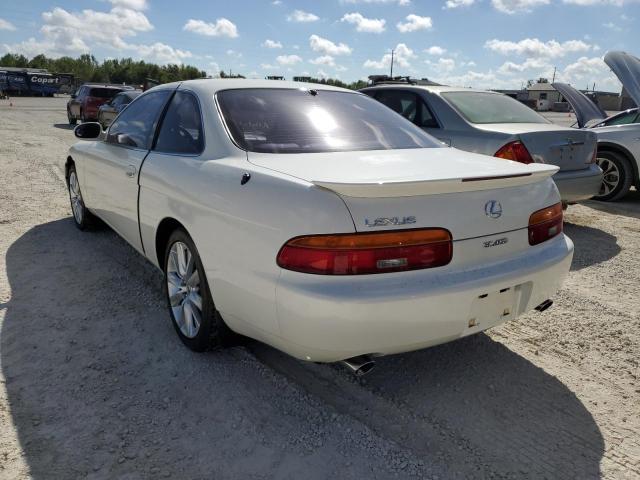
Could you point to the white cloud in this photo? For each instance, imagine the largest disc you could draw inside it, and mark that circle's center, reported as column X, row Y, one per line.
column 532, row 47
column 398, row 2
column 529, row 64
column 130, row 4
column 435, row 50
column 402, row 55
column 363, row 24
column 288, row 59
column 457, row 3
column 5, row 25
column 324, row 60
column 612, row 26
column 221, row 28
column 161, row 52
column 443, row 65
column 586, row 67
column 271, row 44
column 234, row 53
column 300, row 16
column 516, row 6
column 414, row 23
column 327, row 47
column 213, row 70
column 276, row 2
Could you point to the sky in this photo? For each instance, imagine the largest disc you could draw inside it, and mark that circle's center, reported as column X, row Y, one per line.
column 478, row 43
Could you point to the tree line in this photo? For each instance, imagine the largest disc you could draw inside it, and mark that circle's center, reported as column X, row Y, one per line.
column 86, row 68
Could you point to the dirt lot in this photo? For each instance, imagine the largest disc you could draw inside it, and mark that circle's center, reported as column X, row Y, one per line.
column 94, row 382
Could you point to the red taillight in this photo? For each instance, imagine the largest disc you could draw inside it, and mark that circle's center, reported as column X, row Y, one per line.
column 366, row 253
column 545, row 224
column 514, row 151
column 594, row 157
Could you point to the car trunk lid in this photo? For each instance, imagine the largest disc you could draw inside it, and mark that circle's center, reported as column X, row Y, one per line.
column 627, row 69
column 568, row 148
column 468, row 194
column 583, row 107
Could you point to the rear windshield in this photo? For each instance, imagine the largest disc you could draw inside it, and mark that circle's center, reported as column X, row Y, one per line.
column 481, row 107
column 310, row 121
column 104, row 92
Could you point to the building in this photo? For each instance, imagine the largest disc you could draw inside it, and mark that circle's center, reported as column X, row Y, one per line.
column 544, row 95
column 34, row 81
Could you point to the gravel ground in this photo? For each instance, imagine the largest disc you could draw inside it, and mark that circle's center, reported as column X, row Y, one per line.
column 94, row 382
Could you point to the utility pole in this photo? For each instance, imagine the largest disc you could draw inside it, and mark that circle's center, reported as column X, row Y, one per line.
column 391, row 75
column 554, row 75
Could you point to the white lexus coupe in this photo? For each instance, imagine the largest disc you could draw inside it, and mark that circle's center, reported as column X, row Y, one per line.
column 317, row 220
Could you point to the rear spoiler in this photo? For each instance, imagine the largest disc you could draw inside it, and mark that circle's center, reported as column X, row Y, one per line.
column 436, row 186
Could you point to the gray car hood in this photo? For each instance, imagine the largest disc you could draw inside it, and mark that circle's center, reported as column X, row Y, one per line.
column 582, row 105
column 627, row 69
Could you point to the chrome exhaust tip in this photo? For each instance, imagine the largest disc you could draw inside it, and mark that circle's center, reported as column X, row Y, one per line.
column 544, row 305
column 360, row 365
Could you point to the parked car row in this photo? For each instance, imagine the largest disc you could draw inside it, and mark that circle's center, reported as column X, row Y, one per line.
column 319, row 221
column 99, row 102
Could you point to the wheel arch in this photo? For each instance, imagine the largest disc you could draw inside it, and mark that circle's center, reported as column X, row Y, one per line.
column 67, row 167
column 624, row 152
column 166, row 226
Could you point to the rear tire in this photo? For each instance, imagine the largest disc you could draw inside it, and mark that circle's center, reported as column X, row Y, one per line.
column 193, row 313
column 82, row 217
column 618, row 176
column 83, row 119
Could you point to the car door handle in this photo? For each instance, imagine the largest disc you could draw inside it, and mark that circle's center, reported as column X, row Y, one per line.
column 131, row 171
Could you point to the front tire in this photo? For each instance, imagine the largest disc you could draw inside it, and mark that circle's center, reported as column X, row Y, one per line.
column 72, row 119
column 618, row 176
column 193, row 313
column 82, row 217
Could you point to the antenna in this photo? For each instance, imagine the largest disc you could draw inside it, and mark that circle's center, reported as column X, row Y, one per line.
column 391, row 75
column 554, row 75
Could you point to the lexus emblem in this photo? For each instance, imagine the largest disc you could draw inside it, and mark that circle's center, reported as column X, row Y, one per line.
column 493, row 209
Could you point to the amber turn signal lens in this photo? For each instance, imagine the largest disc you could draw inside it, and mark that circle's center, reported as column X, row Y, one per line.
column 545, row 224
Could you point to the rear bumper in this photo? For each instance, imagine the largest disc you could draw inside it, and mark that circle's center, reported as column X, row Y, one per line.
column 327, row 319
column 578, row 185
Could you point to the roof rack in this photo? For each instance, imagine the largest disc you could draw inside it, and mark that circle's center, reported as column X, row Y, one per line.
column 376, row 79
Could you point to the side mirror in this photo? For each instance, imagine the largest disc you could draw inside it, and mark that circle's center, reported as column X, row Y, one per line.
column 73, row 95
column 88, row 131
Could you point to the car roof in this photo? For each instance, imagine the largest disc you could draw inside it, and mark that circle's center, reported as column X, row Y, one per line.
column 107, row 85
column 209, row 86
column 437, row 89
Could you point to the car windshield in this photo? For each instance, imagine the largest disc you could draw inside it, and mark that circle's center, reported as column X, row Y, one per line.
column 103, row 92
column 310, row 121
column 486, row 107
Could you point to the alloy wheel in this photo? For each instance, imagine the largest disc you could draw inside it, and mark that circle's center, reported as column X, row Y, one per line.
column 183, row 287
column 77, row 205
column 611, row 175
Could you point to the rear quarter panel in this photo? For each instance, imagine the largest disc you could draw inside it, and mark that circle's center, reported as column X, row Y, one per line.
column 238, row 229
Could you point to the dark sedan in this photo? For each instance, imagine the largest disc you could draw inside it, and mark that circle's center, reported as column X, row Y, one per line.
column 111, row 109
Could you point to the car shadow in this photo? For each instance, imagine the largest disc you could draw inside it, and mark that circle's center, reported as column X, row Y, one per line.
column 585, row 238
column 64, row 126
column 99, row 387
column 629, row 206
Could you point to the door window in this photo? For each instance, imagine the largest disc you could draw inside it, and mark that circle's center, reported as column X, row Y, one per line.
column 181, row 129
column 631, row 117
column 410, row 106
column 137, row 124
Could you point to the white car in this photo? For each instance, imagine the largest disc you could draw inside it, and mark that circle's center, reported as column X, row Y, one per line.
column 317, row 220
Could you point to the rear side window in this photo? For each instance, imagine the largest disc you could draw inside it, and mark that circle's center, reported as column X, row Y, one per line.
column 631, row 117
column 485, row 107
column 409, row 105
column 136, row 125
column 103, row 92
column 181, row 129
column 310, row 121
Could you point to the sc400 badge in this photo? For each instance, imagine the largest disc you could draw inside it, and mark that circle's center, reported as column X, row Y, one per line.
column 495, row 243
